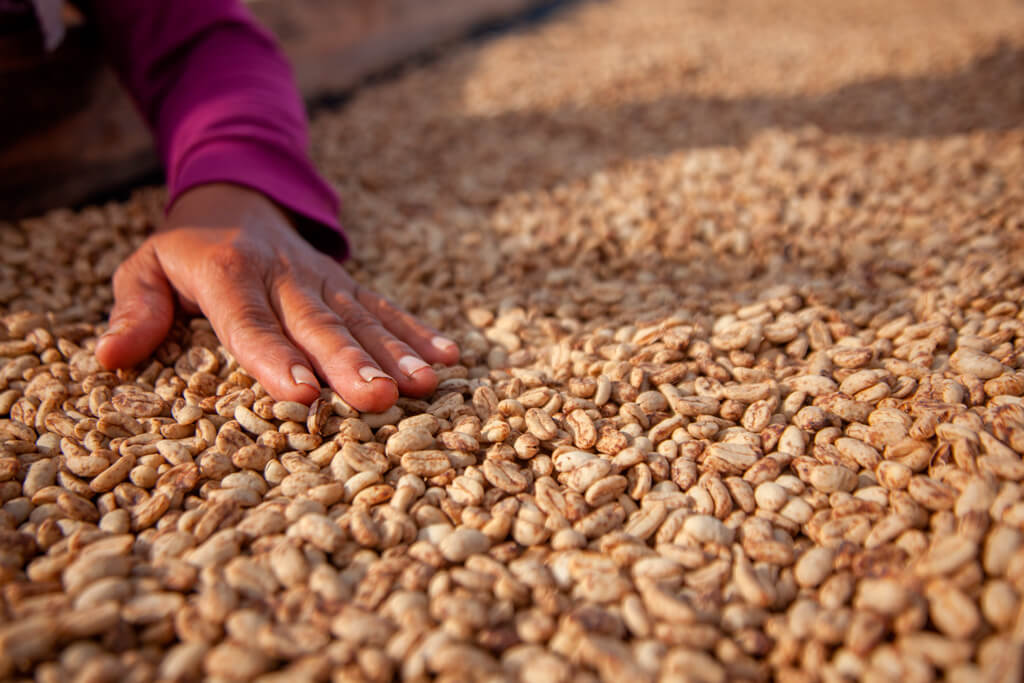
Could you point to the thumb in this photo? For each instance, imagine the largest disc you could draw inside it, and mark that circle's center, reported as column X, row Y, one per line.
column 143, row 311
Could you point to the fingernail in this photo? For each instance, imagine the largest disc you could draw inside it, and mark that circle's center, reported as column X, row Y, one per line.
column 302, row 375
column 370, row 373
column 115, row 329
column 442, row 343
column 411, row 365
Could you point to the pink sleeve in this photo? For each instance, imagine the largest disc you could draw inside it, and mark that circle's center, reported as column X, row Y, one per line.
column 222, row 102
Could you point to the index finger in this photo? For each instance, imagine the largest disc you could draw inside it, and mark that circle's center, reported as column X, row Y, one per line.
column 243, row 319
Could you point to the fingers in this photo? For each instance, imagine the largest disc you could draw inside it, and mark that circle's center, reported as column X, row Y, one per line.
column 426, row 341
column 332, row 348
column 280, row 335
column 241, row 315
column 414, row 375
column 142, row 314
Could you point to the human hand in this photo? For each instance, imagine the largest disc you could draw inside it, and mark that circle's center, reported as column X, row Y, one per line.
column 280, row 306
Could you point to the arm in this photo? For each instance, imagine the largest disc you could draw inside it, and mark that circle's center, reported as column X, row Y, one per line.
column 221, row 100
column 231, row 129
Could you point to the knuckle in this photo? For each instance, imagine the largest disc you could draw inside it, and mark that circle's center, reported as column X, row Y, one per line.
column 384, row 309
column 122, row 277
column 130, row 268
column 284, row 270
column 255, row 317
column 380, row 306
column 349, row 358
column 251, row 326
column 357, row 319
column 233, row 262
column 309, row 316
column 139, row 273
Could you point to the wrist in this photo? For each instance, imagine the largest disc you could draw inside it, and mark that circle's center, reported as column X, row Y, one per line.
column 220, row 205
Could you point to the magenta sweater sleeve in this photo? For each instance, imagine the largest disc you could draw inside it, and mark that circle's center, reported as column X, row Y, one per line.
column 222, row 102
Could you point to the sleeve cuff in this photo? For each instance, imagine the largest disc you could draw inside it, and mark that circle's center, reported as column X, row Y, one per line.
column 291, row 182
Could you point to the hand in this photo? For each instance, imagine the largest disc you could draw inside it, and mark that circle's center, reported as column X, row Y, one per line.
column 280, row 306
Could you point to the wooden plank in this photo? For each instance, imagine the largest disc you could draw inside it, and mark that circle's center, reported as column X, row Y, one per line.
column 100, row 144
column 333, row 45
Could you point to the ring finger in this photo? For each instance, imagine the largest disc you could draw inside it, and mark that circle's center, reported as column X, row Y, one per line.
column 415, row 377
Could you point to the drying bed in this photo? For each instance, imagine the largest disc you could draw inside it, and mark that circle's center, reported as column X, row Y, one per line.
column 738, row 291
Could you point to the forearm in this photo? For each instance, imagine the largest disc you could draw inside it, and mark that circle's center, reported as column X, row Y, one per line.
column 220, row 98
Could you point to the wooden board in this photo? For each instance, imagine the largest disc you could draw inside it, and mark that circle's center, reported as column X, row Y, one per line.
column 333, row 45
column 99, row 143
